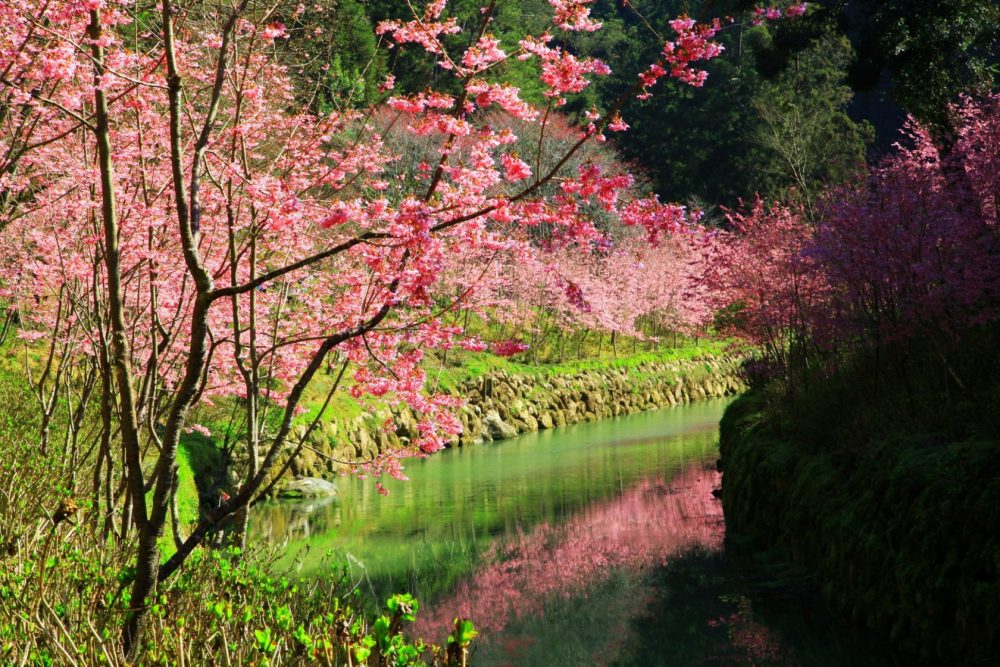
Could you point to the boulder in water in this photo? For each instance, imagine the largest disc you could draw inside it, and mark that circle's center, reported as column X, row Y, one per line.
column 308, row 487
column 497, row 427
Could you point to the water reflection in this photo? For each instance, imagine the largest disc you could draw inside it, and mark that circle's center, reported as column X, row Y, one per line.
column 594, row 544
column 297, row 520
column 447, row 520
column 650, row 522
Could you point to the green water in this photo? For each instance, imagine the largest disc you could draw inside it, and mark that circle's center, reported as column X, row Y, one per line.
column 566, row 547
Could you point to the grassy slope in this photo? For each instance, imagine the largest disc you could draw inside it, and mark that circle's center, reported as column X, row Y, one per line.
column 468, row 366
column 195, row 456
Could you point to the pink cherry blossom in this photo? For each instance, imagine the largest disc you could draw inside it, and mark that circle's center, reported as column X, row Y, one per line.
column 187, row 236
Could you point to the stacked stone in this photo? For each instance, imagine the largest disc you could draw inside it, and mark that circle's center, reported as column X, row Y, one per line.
column 500, row 405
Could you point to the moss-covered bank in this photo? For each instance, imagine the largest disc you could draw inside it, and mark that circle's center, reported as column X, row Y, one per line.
column 903, row 531
column 500, row 404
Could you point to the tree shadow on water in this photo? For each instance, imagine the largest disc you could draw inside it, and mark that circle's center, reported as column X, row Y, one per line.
column 734, row 608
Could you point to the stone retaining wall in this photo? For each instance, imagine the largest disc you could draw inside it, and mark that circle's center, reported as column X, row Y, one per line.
column 500, row 405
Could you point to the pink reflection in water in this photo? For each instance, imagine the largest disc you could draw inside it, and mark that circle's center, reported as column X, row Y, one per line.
column 650, row 523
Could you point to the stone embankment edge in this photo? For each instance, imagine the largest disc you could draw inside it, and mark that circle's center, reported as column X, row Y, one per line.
column 501, row 405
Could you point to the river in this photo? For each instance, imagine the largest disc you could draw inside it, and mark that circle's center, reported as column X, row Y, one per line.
column 593, row 544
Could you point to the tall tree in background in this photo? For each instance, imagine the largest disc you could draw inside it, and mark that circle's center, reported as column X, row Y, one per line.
column 915, row 53
column 807, row 137
column 910, row 56
column 932, row 49
column 775, row 117
column 333, row 53
column 714, row 124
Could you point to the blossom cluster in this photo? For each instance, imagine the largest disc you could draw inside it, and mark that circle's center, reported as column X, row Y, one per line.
column 910, row 251
column 258, row 240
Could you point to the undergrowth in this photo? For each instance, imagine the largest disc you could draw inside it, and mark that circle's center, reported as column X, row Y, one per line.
column 64, row 581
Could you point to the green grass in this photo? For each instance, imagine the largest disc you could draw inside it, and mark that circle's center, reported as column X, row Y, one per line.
column 198, row 460
column 188, row 502
column 464, row 366
column 342, row 406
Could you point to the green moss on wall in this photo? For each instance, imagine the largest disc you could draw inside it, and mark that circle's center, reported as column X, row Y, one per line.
column 903, row 532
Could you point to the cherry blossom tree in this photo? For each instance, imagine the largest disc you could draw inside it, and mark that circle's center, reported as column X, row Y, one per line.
column 908, row 253
column 764, row 283
column 178, row 231
column 533, row 293
column 912, row 251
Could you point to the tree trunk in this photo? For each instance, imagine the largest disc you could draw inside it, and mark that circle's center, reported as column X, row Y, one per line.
column 144, row 583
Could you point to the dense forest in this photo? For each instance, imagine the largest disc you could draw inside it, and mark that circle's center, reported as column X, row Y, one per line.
column 791, row 108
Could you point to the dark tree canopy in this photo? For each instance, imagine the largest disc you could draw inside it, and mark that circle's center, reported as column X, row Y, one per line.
column 791, row 105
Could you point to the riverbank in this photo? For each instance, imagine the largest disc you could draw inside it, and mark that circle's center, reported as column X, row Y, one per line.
column 902, row 529
column 597, row 543
column 501, row 403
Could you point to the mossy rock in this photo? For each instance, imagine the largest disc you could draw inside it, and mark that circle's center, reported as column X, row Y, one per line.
column 308, row 487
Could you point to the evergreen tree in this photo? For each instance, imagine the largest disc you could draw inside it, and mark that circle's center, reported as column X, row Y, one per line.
column 933, row 49
column 808, row 140
column 335, row 53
